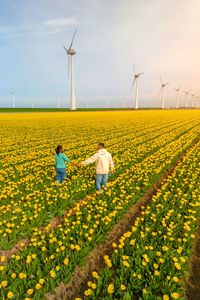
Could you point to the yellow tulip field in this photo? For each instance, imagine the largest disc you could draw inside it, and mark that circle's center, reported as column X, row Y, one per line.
column 49, row 231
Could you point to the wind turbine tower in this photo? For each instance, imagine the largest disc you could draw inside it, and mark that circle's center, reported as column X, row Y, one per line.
column 186, row 98
column 58, row 101
column 71, row 54
column 108, row 102
column 135, row 81
column 197, row 101
column 13, row 98
column 87, row 103
column 162, row 89
column 177, row 95
column 192, row 100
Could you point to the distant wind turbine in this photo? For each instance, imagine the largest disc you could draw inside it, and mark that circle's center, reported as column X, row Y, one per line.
column 177, row 95
column 71, row 53
column 186, row 97
column 108, row 102
column 197, row 101
column 58, row 101
column 135, row 81
column 13, row 98
column 193, row 95
column 162, row 89
column 123, row 104
column 87, row 103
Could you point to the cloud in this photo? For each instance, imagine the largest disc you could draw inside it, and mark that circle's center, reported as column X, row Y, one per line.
column 60, row 22
column 37, row 33
column 52, row 32
column 164, row 42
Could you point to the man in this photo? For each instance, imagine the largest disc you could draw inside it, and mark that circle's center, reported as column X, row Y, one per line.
column 103, row 161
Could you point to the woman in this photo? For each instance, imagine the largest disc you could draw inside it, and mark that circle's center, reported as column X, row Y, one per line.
column 60, row 166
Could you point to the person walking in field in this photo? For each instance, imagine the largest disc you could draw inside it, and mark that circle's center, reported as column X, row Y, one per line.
column 104, row 162
column 60, row 167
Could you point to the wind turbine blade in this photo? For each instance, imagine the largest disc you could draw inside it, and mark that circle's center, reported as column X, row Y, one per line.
column 134, row 68
column 65, row 48
column 161, row 89
column 68, row 64
column 161, row 81
column 141, row 73
column 72, row 39
column 133, row 83
column 167, row 83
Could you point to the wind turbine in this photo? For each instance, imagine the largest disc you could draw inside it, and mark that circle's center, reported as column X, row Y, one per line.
column 135, row 81
column 197, row 102
column 177, row 95
column 13, row 98
column 58, row 101
column 163, row 85
column 192, row 100
column 71, row 53
column 186, row 97
column 107, row 102
column 87, row 103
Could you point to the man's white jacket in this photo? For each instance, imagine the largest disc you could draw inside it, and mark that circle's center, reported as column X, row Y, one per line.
column 103, row 161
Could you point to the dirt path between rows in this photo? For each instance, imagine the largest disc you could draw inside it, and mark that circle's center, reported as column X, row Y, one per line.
column 192, row 283
column 95, row 261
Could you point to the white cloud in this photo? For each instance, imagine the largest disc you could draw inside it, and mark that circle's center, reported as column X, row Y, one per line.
column 36, row 33
column 60, row 22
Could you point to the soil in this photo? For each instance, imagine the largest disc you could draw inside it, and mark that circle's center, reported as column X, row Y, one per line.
column 192, row 283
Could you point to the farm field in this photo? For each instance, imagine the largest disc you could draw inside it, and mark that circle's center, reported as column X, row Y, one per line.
column 132, row 240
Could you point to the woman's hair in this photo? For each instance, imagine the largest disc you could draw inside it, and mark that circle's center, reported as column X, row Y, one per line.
column 58, row 149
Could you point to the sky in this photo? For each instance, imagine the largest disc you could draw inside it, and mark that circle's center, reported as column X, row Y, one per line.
column 161, row 37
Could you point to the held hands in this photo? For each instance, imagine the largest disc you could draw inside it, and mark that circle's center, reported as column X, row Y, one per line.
column 77, row 165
